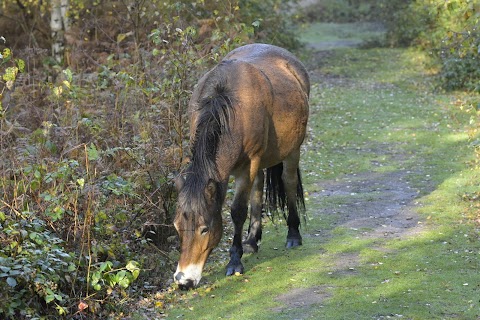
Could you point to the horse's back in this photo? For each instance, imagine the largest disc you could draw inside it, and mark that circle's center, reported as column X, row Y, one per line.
column 268, row 87
column 272, row 60
column 288, row 107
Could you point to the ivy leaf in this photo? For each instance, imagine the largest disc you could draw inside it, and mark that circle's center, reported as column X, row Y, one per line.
column 49, row 298
column 92, row 153
column 5, row 268
column 120, row 275
column 131, row 266
column 106, row 266
column 124, row 282
column 81, row 182
column 121, row 37
column 7, row 53
column 71, row 267
column 68, row 73
column 11, row 282
column 33, row 235
column 20, row 65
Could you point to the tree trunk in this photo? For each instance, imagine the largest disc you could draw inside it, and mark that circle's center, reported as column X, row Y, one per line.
column 59, row 24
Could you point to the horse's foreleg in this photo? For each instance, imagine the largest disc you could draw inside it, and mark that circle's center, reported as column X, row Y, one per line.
column 290, row 181
column 255, row 229
column 239, row 215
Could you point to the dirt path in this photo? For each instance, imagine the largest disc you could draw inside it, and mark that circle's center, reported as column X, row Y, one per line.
column 384, row 205
column 380, row 207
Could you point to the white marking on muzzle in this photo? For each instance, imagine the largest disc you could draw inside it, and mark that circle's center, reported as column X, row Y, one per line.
column 191, row 274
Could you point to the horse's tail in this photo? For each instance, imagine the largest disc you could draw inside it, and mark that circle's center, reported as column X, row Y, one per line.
column 276, row 197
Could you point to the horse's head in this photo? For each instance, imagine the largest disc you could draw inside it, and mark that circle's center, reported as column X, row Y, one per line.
column 199, row 225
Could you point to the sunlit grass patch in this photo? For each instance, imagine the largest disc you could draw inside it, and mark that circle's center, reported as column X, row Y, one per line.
column 333, row 35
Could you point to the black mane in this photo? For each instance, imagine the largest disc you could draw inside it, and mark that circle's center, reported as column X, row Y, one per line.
column 213, row 123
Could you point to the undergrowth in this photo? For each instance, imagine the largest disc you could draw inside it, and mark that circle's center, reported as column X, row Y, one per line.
column 89, row 147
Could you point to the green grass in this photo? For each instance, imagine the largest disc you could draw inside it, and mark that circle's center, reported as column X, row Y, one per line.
column 333, row 35
column 377, row 116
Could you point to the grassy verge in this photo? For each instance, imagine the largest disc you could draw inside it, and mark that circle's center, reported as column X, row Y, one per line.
column 373, row 115
column 326, row 36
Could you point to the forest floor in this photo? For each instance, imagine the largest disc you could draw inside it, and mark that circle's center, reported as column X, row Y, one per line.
column 391, row 192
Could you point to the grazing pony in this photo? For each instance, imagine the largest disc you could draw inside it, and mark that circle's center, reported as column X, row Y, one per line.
column 247, row 114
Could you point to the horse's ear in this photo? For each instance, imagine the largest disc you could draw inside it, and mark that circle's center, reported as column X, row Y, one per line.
column 210, row 190
column 179, row 182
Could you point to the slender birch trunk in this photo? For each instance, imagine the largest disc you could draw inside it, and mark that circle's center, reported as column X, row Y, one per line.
column 59, row 24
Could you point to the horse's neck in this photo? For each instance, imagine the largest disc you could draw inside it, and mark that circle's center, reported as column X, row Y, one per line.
column 227, row 157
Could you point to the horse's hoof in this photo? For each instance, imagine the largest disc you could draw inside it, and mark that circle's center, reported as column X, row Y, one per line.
column 292, row 243
column 250, row 247
column 233, row 270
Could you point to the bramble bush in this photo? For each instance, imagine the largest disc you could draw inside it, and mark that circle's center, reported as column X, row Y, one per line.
column 34, row 266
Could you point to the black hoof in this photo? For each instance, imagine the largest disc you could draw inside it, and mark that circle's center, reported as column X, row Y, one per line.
column 292, row 243
column 233, row 270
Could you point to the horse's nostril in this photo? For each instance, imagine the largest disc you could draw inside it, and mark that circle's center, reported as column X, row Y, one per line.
column 183, row 283
column 179, row 276
column 186, row 286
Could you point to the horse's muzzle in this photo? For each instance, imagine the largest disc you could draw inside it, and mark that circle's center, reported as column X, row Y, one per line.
column 188, row 278
column 183, row 282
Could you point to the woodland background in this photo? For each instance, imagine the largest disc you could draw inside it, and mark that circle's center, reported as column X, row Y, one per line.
column 93, row 127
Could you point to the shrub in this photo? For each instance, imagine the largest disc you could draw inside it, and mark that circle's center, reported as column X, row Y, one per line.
column 35, row 269
column 449, row 30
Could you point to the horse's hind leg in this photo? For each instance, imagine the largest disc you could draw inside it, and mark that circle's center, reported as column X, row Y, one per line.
column 255, row 229
column 290, row 180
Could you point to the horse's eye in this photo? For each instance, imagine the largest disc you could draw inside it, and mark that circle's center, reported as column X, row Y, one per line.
column 204, row 231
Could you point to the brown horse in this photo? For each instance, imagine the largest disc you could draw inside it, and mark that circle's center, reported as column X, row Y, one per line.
column 247, row 114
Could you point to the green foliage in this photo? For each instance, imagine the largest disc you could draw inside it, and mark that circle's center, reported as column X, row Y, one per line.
column 449, row 30
column 9, row 69
column 105, row 277
column 403, row 26
column 240, row 21
column 457, row 45
column 71, row 208
column 271, row 21
column 460, row 71
column 34, row 266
